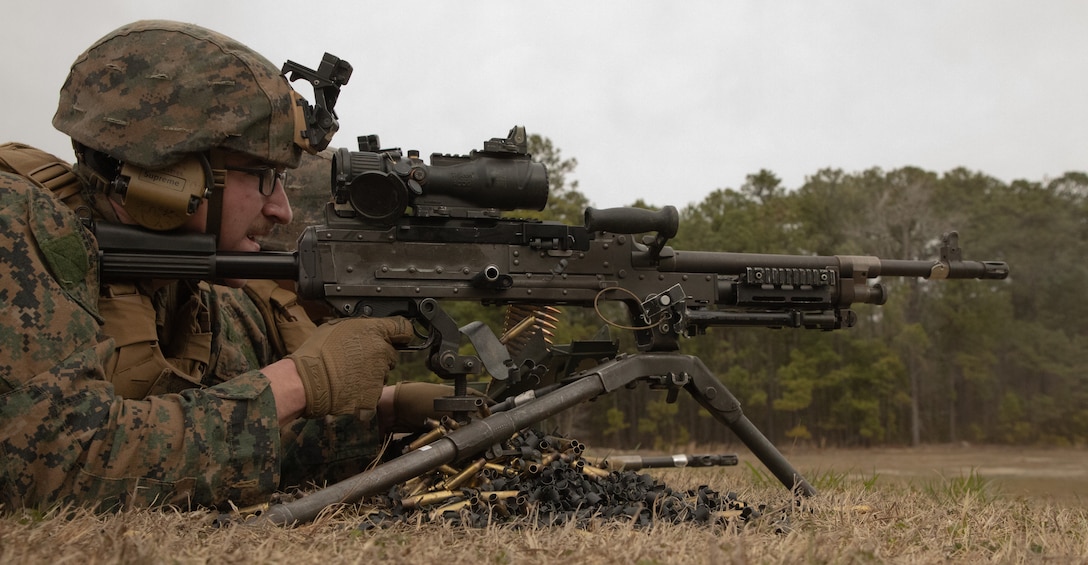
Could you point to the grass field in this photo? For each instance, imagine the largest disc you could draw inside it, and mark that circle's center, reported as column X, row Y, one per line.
column 927, row 505
column 1059, row 475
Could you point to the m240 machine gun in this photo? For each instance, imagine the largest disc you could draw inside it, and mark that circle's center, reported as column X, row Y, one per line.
column 402, row 237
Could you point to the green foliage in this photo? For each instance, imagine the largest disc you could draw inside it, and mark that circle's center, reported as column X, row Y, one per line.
column 660, row 425
column 823, row 480
column 805, row 372
column 953, row 491
column 1013, row 427
column 758, row 476
column 828, row 480
column 616, row 422
column 981, row 360
column 800, row 431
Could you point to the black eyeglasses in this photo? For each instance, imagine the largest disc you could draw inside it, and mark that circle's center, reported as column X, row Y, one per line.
column 267, row 176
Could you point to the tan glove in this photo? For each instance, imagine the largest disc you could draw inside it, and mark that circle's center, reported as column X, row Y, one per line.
column 344, row 363
column 413, row 404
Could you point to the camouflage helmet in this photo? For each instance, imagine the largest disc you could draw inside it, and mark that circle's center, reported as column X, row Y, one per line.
column 151, row 92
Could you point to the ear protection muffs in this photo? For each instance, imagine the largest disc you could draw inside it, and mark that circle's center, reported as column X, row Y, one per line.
column 162, row 199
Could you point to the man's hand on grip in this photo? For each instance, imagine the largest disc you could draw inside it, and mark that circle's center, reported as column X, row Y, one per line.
column 344, row 363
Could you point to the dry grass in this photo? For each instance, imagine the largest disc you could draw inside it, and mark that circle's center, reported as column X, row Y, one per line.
column 858, row 518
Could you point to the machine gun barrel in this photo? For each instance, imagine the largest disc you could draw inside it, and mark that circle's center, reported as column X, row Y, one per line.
column 956, row 270
column 666, row 222
column 728, row 263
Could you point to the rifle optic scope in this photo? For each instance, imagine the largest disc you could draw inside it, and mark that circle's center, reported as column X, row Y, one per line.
column 380, row 184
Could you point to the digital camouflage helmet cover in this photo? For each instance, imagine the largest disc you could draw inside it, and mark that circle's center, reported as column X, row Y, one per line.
column 152, row 92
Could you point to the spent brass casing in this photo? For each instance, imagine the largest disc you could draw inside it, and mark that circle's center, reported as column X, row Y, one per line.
column 420, row 488
column 500, row 508
column 462, row 477
column 502, row 470
column 452, row 507
column 595, row 471
column 248, row 511
column 560, row 443
column 429, row 498
column 427, row 438
column 495, row 495
column 416, row 485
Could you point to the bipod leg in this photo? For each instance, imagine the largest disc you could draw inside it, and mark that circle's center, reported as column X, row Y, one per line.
column 480, row 434
column 693, row 374
column 709, row 392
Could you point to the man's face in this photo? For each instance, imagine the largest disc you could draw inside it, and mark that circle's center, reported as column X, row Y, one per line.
column 248, row 215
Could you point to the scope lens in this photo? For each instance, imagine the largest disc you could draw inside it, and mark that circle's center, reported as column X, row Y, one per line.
column 378, row 197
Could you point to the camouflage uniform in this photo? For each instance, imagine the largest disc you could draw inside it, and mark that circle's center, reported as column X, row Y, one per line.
column 207, row 432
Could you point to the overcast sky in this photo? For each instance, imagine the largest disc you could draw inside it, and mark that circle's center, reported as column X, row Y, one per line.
column 663, row 101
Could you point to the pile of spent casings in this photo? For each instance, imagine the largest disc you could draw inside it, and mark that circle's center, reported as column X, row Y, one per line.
column 535, row 479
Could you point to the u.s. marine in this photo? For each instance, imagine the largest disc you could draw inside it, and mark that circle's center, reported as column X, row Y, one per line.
column 155, row 392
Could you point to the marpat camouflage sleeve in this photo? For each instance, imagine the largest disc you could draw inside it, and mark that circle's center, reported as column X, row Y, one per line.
column 64, row 435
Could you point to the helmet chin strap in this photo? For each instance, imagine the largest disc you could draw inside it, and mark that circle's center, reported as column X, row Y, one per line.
column 218, row 176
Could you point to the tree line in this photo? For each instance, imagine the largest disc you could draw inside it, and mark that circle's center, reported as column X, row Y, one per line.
column 978, row 361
